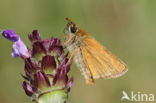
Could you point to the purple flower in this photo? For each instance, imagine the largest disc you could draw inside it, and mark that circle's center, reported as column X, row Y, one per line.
column 10, row 35
column 20, row 49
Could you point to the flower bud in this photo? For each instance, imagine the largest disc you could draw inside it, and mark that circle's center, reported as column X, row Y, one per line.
column 35, row 36
column 49, row 65
column 10, row 35
column 28, row 88
column 41, row 81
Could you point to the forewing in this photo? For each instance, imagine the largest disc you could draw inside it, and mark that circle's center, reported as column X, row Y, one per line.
column 101, row 62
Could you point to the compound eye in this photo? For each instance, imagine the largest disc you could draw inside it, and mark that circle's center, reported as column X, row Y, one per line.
column 73, row 29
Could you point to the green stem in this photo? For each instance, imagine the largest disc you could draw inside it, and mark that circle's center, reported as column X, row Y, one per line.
column 59, row 96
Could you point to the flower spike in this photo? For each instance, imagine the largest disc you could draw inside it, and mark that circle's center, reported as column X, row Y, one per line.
column 46, row 67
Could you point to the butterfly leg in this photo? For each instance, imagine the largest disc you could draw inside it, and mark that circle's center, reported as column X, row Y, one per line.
column 74, row 52
column 69, row 40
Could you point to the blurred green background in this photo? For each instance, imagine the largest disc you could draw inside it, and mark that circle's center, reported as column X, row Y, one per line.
column 125, row 27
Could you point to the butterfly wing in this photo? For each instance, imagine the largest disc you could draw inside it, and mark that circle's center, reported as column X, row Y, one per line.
column 101, row 62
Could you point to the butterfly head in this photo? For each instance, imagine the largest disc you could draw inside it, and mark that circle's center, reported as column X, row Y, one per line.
column 71, row 27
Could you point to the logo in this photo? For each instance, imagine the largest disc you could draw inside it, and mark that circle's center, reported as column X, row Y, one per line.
column 137, row 97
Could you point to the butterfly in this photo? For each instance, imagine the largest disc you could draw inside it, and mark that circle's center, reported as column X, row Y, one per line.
column 93, row 59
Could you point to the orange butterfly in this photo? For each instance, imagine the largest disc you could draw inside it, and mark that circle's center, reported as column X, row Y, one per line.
column 93, row 60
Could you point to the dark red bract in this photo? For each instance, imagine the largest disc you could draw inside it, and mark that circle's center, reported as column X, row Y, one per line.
column 47, row 68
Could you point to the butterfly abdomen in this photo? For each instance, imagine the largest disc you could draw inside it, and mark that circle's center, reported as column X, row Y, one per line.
column 80, row 62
